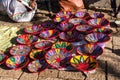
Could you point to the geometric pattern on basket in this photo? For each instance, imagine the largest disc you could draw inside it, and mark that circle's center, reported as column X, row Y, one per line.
column 20, row 50
column 26, row 39
column 97, row 37
column 54, row 57
column 65, row 45
column 83, row 63
column 90, row 50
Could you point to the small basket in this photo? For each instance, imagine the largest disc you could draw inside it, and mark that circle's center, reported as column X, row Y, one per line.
column 58, row 58
column 3, row 58
column 69, row 36
column 64, row 45
column 35, row 29
column 43, row 45
column 84, row 28
column 17, row 62
column 77, row 21
column 62, row 16
column 49, row 34
column 20, row 50
column 84, row 63
column 37, row 54
column 97, row 15
column 37, row 66
column 98, row 22
column 93, row 50
column 26, row 39
column 65, row 26
column 97, row 38
column 107, row 31
column 81, row 14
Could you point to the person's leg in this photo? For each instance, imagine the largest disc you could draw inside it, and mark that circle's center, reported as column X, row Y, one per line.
column 113, row 6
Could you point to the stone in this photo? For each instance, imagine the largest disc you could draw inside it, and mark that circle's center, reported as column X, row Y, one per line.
column 114, row 30
column 10, row 73
column 113, row 77
column 116, row 41
column 29, row 76
column 113, row 68
column 110, row 57
column 106, row 15
column 52, row 73
column 45, row 78
column 71, row 75
column 98, row 75
column 7, row 78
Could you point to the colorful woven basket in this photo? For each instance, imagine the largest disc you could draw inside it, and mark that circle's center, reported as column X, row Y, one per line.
column 97, row 15
column 20, row 50
column 26, row 39
column 97, row 38
column 84, row 28
column 107, row 31
column 65, row 26
column 93, row 50
column 43, row 45
column 99, row 22
column 56, row 57
column 49, row 34
column 17, row 62
column 37, row 54
column 78, row 21
column 64, row 45
column 35, row 29
column 3, row 57
column 84, row 63
column 69, row 36
column 37, row 66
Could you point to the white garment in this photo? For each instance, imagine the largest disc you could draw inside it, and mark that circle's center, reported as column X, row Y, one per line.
column 17, row 10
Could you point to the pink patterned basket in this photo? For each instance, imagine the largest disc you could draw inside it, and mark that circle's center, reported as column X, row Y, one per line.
column 84, row 28
column 84, row 63
column 62, row 16
column 99, row 22
column 20, row 50
column 35, row 29
column 65, row 26
column 43, row 45
column 26, row 39
column 93, row 50
column 97, row 15
column 17, row 62
column 57, row 58
column 70, row 36
column 78, row 21
column 49, row 34
column 37, row 66
column 3, row 57
column 37, row 54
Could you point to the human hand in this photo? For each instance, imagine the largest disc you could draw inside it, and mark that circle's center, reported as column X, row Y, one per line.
column 32, row 3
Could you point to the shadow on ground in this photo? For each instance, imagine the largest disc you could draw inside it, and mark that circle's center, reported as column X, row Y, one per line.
column 109, row 69
column 115, row 51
